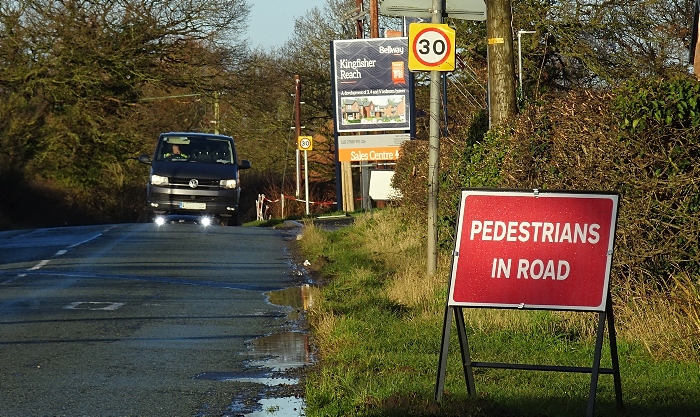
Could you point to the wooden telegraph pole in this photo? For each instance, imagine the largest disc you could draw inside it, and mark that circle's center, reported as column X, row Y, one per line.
column 348, row 195
column 297, row 129
column 359, row 23
column 501, row 64
column 373, row 19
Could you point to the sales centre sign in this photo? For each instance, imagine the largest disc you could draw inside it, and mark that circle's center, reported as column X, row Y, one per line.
column 533, row 249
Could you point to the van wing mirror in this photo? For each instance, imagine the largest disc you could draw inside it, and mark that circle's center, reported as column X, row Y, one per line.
column 144, row 159
column 245, row 164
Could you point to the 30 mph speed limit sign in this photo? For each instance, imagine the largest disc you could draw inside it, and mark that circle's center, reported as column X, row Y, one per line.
column 305, row 143
column 432, row 47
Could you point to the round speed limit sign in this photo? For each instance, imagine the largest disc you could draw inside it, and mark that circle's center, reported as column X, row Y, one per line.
column 305, row 143
column 432, row 47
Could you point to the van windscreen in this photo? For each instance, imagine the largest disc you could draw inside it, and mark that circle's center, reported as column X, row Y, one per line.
column 202, row 149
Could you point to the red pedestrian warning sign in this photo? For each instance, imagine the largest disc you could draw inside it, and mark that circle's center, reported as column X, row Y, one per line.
column 530, row 249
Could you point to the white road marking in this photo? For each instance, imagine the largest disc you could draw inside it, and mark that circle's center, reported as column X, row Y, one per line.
column 39, row 265
column 87, row 240
column 90, row 305
column 61, row 252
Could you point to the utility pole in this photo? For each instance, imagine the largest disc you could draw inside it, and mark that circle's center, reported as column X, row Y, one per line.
column 359, row 23
column 373, row 19
column 216, row 112
column 297, row 129
column 501, row 64
column 366, row 166
column 346, row 183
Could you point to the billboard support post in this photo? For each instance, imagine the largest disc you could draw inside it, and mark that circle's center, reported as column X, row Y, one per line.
column 338, row 171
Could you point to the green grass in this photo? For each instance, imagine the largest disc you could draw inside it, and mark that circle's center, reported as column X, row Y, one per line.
column 379, row 351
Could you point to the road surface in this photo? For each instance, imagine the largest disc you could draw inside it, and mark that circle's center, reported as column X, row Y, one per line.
column 136, row 319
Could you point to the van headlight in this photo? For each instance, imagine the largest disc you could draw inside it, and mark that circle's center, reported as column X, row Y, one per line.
column 228, row 183
column 158, row 180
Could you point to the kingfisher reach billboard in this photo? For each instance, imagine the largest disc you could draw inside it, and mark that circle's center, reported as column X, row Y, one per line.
column 370, row 84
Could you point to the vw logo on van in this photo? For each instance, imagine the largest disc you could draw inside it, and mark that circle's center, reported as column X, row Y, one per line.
column 194, row 183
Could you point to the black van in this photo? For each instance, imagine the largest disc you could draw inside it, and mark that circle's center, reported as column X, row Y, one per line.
column 194, row 174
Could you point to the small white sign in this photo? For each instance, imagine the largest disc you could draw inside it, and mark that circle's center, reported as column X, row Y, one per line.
column 366, row 141
column 380, row 186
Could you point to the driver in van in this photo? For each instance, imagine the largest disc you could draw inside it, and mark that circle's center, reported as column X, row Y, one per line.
column 176, row 153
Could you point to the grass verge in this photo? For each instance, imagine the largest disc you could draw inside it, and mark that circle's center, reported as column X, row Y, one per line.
column 377, row 326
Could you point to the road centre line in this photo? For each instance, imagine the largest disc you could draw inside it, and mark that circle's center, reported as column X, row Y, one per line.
column 61, row 252
column 86, row 240
column 39, row 265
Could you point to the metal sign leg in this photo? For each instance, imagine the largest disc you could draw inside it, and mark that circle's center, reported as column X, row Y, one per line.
column 464, row 346
column 444, row 348
column 595, row 371
column 615, row 360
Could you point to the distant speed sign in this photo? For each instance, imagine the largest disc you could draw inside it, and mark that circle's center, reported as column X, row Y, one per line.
column 305, row 143
column 432, row 47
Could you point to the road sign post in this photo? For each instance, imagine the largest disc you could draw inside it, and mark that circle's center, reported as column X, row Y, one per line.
column 306, row 144
column 306, row 180
column 432, row 48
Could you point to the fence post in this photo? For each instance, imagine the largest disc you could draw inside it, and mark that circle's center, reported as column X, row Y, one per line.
column 282, row 201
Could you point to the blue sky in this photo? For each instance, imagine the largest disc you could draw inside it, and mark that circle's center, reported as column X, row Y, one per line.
column 271, row 22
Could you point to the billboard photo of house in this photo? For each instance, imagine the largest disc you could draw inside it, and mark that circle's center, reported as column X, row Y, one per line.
column 373, row 110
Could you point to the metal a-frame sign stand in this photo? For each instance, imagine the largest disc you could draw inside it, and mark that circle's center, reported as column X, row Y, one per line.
column 605, row 313
column 468, row 364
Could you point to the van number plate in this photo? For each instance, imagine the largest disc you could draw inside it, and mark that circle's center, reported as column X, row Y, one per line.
column 193, row 206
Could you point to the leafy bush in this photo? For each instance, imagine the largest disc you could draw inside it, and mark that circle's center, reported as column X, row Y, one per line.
column 658, row 104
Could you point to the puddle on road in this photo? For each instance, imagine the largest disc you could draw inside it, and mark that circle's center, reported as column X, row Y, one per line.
column 280, row 407
column 255, row 378
column 282, row 351
column 277, row 353
column 299, row 299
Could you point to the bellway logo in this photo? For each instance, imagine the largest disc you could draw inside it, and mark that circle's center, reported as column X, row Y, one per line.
column 390, row 50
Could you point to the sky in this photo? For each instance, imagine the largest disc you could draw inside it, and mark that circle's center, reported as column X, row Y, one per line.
column 271, row 22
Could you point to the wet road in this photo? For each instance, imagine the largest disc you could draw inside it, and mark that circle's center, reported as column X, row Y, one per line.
column 135, row 319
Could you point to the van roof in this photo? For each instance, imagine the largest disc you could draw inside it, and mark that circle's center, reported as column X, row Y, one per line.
column 200, row 134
